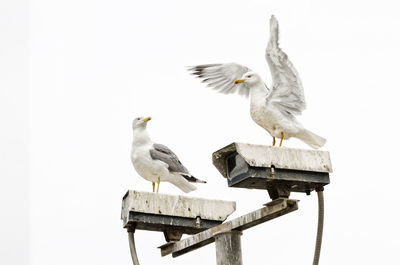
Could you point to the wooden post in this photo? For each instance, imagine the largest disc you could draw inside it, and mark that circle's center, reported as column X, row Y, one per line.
column 228, row 248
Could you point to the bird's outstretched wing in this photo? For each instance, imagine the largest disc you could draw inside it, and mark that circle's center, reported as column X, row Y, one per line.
column 287, row 92
column 221, row 77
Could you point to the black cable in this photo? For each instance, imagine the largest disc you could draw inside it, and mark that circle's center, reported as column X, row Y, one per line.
column 318, row 242
column 132, row 247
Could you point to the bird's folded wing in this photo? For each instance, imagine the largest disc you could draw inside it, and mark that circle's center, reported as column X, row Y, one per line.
column 221, row 77
column 287, row 92
column 164, row 154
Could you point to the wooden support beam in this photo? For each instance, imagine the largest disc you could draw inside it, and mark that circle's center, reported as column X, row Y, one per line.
column 271, row 210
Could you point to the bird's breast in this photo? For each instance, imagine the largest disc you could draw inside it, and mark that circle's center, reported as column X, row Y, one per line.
column 147, row 167
column 273, row 121
column 267, row 118
column 141, row 159
column 262, row 115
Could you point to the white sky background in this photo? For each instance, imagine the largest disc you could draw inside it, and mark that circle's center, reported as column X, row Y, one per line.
column 95, row 65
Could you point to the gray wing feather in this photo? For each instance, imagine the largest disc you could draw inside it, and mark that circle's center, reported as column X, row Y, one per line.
column 287, row 92
column 221, row 77
column 164, row 154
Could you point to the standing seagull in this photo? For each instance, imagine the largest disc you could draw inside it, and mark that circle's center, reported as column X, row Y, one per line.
column 156, row 162
column 273, row 109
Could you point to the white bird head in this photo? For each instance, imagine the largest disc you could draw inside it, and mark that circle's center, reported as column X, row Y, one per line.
column 140, row 122
column 249, row 79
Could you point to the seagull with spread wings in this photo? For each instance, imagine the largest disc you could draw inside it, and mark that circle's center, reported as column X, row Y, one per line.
column 156, row 162
column 274, row 108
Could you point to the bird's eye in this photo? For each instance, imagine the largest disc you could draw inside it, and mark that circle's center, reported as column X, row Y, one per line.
column 138, row 118
column 249, row 76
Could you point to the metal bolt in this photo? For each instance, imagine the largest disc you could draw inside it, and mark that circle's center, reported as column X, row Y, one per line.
column 198, row 222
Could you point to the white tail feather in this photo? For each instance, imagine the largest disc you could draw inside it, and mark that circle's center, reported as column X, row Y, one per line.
column 311, row 139
column 182, row 183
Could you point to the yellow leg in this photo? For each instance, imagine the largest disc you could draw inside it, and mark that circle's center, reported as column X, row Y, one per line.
column 280, row 144
column 158, row 184
column 273, row 141
column 154, row 185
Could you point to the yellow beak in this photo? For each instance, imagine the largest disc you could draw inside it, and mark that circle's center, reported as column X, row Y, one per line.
column 147, row 119
column 239, row 81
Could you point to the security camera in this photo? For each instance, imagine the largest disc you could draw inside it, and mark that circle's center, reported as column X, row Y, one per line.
column 278, row 170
